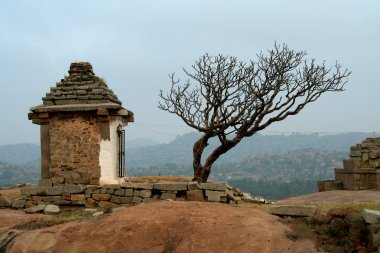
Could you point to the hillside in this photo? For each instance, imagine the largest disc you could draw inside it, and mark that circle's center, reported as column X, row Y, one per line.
column 179, row 151
column 289, row 164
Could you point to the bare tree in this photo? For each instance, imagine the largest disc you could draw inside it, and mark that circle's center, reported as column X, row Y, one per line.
column 232, row 100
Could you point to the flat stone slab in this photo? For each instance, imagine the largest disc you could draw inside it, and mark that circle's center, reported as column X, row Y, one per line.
column 171, row 186
column 212, row 186
column 51, row 209
column 32, row 191
column 371, row 216
column 297, row 211
column 143, row 186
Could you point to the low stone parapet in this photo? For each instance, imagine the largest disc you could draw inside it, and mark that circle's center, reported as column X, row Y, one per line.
column 127, row 193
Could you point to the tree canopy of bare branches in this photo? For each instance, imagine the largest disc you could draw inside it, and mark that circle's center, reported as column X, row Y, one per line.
column 230, row 100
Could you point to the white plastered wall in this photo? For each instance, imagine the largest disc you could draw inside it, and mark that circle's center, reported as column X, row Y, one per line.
column 108, row 157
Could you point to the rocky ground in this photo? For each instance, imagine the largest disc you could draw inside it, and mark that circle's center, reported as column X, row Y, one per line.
column 171, row 226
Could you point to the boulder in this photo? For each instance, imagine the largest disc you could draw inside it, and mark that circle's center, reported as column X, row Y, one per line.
column 297, row 211
column 18, row 203
column 52, row 209
column 371, row 216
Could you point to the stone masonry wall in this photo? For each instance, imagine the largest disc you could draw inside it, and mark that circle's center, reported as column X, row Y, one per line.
column 74, row 150
column 125, row 193
column 367, row 153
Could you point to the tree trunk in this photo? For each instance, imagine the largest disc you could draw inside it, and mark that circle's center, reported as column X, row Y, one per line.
column 201, row 174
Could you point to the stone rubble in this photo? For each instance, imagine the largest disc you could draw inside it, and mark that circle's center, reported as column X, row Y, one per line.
column 360, row 172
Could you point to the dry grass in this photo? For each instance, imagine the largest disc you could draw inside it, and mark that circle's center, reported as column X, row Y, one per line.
column 48, row 221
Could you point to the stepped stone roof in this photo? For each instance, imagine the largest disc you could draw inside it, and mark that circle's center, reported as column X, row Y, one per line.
column 81, row 91
column 82, row 86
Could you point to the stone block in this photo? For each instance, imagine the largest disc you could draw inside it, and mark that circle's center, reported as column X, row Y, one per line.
column 63, row 202
column 73, row 188
column 112, row 186
column 51, row 198
column 91, row 187
column 170, row 186
column 45, row 182
column 18, row 203
column 212, row 186
column 91, row 203
column 115, row 199
column 371, row 216
column 193, row 186
column 168, row 195
column 87, row 193
column 146, row 193
column 296, row 211
column 77, row 197
column 106, row 203
column 119, row 192
column 143, row 186
column 101, row 196
column 195, row 195
column 333, row 185
column 66, row 196
column 56, row 190
column 103, row 191
column 110, row 191
column 136, row 193
column 365, row 157
column 32, row 191
column 58, row 181
column 125, row 200
column 36, row 209
column 215, row 196
column 355, row 151
column 136, row 199
column 128, row 192
column 351, row 164
column 5, row 201
column 36, row 198
column 52, row 209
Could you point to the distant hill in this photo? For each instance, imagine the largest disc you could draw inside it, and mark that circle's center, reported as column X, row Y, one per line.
column 20, row 153
column 179, row 151
column 139, row 143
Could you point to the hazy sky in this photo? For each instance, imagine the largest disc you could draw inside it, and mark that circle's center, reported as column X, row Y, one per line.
column 135, row 45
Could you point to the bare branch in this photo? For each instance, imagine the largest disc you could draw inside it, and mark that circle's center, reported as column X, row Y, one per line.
column 232, row 100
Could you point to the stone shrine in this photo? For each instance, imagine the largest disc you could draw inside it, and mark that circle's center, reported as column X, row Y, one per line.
column 81, row 123
column 360, row 172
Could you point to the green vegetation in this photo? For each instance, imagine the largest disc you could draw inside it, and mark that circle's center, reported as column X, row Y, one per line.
column 275, row 190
